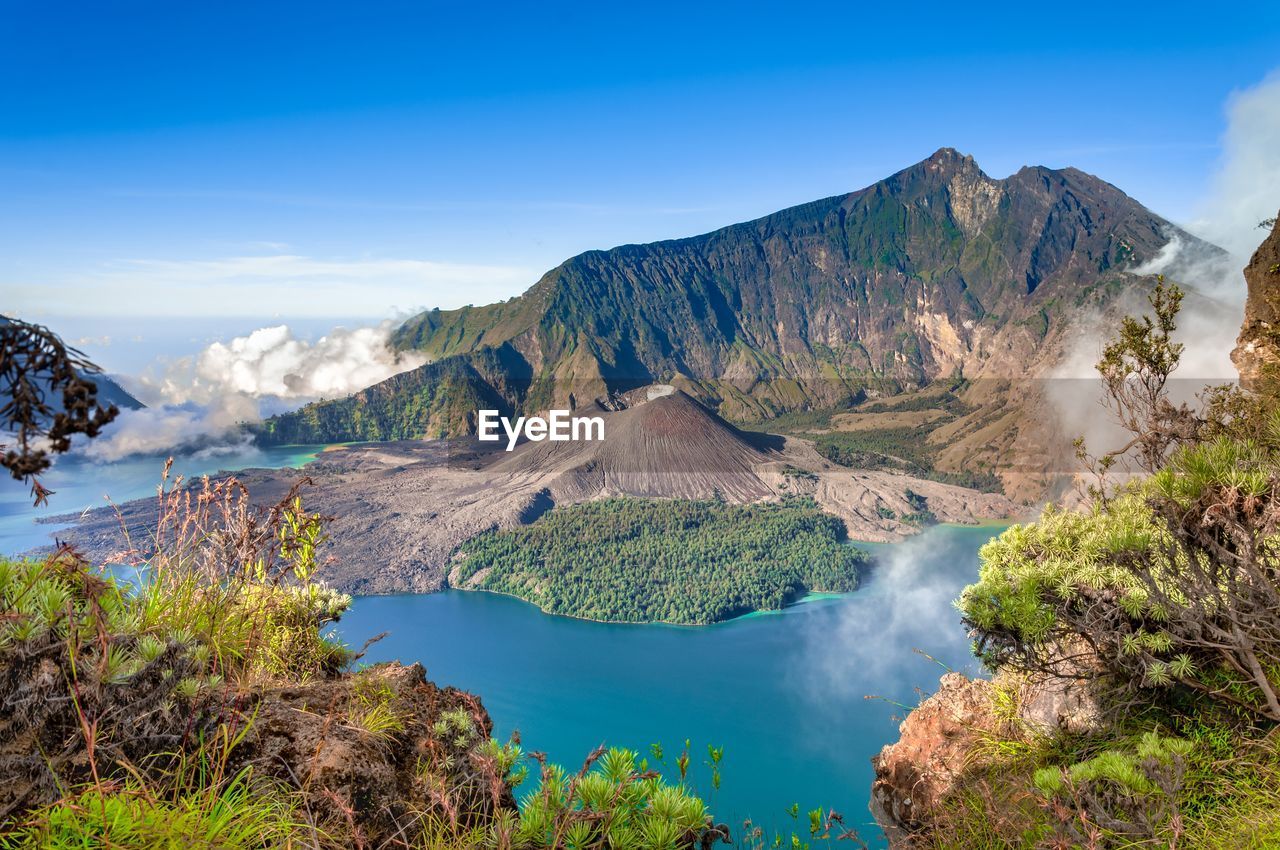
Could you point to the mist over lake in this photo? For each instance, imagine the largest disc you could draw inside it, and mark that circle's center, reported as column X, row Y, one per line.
column 784, row 693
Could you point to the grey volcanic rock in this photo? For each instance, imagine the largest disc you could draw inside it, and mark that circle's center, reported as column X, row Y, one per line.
column 667, row 447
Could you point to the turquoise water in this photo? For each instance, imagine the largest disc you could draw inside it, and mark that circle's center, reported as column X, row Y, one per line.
column 80, row 484
column 785, row 695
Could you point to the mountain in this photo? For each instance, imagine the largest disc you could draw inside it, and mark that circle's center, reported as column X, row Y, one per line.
column 110, row 392
column 936, row 270
column 662, row 444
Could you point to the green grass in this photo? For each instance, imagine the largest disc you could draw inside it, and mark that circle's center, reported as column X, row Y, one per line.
column 373, row 709
column 794, row 422
column 1017, row 788
column 235, row 816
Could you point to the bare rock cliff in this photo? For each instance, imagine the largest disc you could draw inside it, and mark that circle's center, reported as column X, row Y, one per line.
column 1257, row 353
column 914, row 774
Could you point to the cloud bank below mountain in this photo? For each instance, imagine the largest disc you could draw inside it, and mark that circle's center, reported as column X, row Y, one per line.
column 203, row 401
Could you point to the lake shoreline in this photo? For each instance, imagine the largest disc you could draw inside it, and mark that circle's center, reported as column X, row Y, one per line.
column 86, row 491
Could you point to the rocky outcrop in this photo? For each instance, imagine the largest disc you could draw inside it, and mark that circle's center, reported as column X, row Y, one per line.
column 914, row 774
column 368, row 753
column 1051, row 704
column 941, row 741
column 1257, row 353
column 374, row 751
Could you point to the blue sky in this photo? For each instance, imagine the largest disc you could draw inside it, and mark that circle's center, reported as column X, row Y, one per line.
column 322, row 161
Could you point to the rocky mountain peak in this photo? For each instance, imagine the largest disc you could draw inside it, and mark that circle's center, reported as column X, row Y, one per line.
column 973, row 197
column 952, row 161
column 934, row 174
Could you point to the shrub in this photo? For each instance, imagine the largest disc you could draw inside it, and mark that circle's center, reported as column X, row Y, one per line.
column 1171, row 584
column 610, row 803
column 239, row 579
column 103, row 678
column 1119, row 793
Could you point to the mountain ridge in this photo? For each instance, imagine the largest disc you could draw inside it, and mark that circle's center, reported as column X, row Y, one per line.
column 933, row 271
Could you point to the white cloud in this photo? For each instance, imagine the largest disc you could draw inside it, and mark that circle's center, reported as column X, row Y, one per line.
column 1246, row 188
column 84, row 341
column 1244, row 191
column 272, row 362
column 203, row 400
column 269, row 285
column 210, row 428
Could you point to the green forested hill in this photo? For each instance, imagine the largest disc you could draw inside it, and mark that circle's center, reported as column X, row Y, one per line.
column 436, row 400
column 673, row 561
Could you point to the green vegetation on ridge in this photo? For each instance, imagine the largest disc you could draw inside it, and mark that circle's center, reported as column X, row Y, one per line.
column 641, row 560
column 898, row 450
column 895, row 449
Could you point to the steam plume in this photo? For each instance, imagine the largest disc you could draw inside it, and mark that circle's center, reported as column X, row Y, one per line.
column 1246, row 188
column 905, row 605
column 1244, row 191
